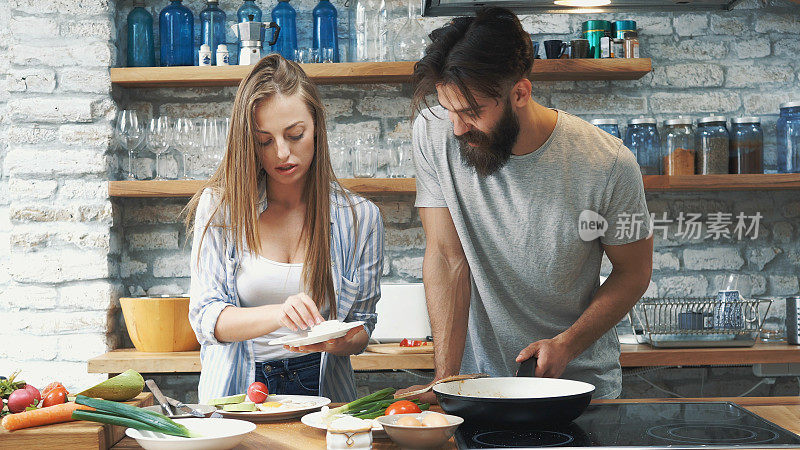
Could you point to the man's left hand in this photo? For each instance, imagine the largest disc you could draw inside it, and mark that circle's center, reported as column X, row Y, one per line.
column 552, row 356
column 330, row 346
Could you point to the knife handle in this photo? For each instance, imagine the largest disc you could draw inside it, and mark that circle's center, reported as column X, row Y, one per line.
column 159, row 397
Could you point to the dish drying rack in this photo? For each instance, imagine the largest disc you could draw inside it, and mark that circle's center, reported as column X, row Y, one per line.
column 675, row 322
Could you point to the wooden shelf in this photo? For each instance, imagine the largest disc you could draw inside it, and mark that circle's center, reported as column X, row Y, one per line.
column 376, row 186
column 118, row 361
column 372, row 72
column 187, row 188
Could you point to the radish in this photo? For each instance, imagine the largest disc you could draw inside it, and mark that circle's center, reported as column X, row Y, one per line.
column 19, row 400
column 37, row 397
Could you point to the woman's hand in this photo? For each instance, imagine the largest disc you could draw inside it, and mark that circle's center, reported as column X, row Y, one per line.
column 352, row 342
column 299, row 312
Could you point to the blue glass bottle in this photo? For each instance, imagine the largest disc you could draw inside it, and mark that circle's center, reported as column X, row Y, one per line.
column 248, row 8
column 325, row 34
column 176, row 25
column 212, row 27
column 286, row 17
column 140, row 37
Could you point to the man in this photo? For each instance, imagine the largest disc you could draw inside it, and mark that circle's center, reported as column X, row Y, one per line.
column 501, row 185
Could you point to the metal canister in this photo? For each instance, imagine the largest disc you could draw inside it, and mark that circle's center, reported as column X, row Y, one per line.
column 594, row 31
column 620, row 27
column 793, row 320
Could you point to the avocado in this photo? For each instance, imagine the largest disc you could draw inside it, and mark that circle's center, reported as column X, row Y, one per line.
column 238, row 398
column 120, row 388
column 240, row 407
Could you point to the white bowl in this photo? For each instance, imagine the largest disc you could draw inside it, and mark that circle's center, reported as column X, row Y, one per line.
column 419, row 437
column 217, row 434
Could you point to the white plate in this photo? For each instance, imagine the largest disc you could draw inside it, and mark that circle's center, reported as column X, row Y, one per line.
column 297, row 406
column 205, row 409
column 314, row 420
column 303, row 338
column 218, row 434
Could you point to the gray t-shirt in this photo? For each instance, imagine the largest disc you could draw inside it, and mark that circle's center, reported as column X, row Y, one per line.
column 532, row 274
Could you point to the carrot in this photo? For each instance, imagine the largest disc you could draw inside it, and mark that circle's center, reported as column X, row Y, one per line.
column 42, row 416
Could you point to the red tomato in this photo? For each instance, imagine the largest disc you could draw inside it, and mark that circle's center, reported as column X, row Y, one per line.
column 402, row 407
column 56, row 396
column 52, row 386
column 412, row 343
column 257, row 392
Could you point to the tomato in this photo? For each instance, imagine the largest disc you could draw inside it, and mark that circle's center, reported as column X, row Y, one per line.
column 56, row 396
column 412, row 343
column 257, row 392
column 52, row 386
column 402, row 407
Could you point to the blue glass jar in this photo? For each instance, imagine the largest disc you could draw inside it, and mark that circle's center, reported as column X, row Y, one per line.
column 746, row 146
column 286, row 17
column 643, row 140
column 176, row 25
column 713, row 146
column 141, row 52
column 789, row 138
column 325, row 32
column 610, row 126
column 248, row 8
column 212, row 27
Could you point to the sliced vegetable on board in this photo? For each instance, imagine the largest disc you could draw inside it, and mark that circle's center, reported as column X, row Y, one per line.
column 41, row 416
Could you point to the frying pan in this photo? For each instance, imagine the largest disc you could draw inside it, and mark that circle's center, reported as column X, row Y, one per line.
column 520, row 400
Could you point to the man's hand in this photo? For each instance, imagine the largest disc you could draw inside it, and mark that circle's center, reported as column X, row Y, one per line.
column 428, row 397
column 552, row 357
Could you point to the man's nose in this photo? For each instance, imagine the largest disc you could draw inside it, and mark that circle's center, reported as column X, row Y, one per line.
column 459, row 127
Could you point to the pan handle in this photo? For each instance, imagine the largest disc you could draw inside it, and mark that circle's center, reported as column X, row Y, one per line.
column 527, row 368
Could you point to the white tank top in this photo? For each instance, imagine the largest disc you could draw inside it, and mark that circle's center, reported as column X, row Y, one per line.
column 261, row 281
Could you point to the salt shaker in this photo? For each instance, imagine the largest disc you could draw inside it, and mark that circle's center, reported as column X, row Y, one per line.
column 204, row 55
column 349, row 433
column 223, row 58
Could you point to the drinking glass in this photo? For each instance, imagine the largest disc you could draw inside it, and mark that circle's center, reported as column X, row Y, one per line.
column 129, row 133
column 326, row 55
column 396, row 157
column 300, row 55
column 366, row 158
column 741, row 283
column 159, row 135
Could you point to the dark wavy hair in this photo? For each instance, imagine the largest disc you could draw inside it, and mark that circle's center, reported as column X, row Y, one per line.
column 486, row 53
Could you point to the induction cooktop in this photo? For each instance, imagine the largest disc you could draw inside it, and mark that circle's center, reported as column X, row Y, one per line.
column 707, row 425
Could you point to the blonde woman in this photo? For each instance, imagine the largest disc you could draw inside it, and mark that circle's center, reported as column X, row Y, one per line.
column 278, row 246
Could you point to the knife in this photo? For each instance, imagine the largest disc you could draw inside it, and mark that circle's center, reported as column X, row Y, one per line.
column 165, row 406
column 183, row 407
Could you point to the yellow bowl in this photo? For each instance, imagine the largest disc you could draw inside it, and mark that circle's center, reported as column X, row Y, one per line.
column 159, row 324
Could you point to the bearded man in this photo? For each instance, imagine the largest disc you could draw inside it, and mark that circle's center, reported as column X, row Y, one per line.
column 502, row 183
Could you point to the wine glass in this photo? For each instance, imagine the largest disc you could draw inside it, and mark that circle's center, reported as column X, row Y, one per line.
column 159, row 134
column 129, row 133
column 213, row 136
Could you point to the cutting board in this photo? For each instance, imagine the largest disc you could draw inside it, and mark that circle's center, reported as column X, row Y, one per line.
column 69, row 435
column 395, row 349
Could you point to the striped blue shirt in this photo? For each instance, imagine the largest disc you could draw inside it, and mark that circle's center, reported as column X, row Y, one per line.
column 357, row 263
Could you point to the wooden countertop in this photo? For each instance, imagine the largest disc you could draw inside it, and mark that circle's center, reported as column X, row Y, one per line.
column 641, row 355
column 284, row 435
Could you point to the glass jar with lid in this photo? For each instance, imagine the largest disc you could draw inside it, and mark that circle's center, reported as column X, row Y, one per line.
column 643, row 140
column 610, row 126
column 747, row 146
column 712, row 146
column 679, row 154
column 788, row 127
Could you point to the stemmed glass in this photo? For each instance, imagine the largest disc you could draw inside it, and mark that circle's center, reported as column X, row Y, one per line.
column 214, row 141
column 129, row 133
column 183, row 141
column 159, row 135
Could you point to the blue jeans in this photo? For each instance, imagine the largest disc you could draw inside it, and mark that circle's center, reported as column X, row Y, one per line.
column 291, row 376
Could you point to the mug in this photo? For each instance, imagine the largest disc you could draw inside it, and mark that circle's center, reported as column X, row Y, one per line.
column 728, row 313
column 579, row 48
column 555, row 48
column 536, row 50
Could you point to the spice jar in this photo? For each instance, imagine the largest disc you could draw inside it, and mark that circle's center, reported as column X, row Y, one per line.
column 788, row 127
column 746, row 146
column 610, row 126
column 631, row 44
column 712, row 146
column 679, row 147
column 643, row 140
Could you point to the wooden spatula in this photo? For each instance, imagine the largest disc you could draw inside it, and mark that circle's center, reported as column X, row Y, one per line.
column 468, row 376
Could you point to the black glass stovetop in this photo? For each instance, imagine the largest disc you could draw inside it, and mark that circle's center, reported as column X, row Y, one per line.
column 641, row 425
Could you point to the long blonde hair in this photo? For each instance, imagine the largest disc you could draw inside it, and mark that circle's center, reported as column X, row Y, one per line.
column 236, row 180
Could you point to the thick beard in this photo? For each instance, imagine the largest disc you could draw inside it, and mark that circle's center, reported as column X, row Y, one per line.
column 493, row 150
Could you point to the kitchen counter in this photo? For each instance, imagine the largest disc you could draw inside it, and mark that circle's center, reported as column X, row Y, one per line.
column 284, row 435
column 641, row 355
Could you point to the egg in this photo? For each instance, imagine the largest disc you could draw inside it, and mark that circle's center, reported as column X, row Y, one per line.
column 408, row 421
column 434, row 420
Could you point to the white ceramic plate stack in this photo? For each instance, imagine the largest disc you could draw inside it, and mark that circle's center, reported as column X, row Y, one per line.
column 217, row 434
column 296, row 406
column 312, row 337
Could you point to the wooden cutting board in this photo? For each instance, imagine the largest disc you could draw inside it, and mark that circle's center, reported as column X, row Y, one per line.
column 69, row 435
column 395, row 349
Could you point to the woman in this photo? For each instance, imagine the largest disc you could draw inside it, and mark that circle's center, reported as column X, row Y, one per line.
column 280, row 246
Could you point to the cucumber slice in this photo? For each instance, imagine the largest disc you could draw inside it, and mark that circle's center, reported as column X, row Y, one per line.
column 239, row 398
column 240, row 407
